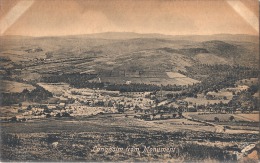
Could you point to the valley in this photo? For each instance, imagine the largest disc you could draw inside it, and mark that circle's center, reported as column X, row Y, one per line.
column 63, row 96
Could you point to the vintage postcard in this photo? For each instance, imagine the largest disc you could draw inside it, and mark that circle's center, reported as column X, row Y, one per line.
column 129, row 80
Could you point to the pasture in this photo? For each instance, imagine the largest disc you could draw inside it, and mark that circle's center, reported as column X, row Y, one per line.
column 221, row 117
column 14, row 87
column 67, row 139
column 203, row 101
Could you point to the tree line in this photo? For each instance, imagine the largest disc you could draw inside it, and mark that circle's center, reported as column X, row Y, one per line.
column 36, row 95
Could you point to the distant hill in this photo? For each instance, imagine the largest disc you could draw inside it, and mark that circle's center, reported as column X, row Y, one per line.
column 132, row 35
column 221, row 37
column 211, row 59
column 123, row 35
column 111, row 52
column 200, row 38
column 221, row 48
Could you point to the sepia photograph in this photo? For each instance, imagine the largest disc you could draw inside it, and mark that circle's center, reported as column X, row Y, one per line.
column 129, row 81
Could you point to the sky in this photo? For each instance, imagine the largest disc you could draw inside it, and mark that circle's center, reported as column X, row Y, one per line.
column 170, row 17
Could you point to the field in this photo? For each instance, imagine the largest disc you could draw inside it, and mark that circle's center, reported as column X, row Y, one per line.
column 241, row 122
column 222, row 96
column 222, row 117
column 8, row 111
column 56, row 89
column 146, row 77
column 249, row 117
column 12, row 86
column 68, row 139
column 211, row 59
column 203, row 101
column 147, row 80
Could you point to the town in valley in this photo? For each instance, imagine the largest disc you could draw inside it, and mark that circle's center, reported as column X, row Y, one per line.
column 63, row 96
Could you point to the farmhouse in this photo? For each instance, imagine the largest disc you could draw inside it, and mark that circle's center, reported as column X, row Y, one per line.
column 128, row 82
column 62, row 104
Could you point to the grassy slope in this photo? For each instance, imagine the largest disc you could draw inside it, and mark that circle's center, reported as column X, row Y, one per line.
column 115, row 51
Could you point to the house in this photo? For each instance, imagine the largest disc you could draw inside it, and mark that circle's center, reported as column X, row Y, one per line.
column 62, row 104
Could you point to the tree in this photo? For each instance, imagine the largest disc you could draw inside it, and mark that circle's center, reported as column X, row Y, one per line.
column 180, row 114
column 29, row 107
column 13, row 119
column 253, row 89
column 231, row 118
column 169, row 96
column 48, row 115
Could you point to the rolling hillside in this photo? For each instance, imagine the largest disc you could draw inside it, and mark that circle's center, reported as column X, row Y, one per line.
column 30, row 58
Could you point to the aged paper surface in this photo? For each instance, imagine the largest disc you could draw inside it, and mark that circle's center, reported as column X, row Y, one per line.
column 128, row 80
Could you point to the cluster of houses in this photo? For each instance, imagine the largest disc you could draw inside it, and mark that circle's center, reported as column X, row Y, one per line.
column 144, row 105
